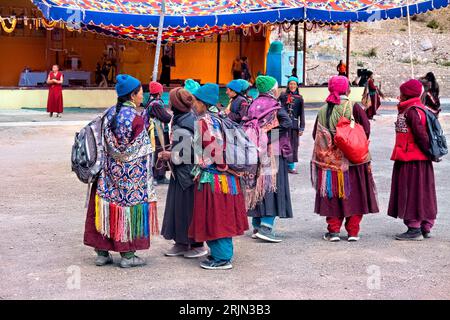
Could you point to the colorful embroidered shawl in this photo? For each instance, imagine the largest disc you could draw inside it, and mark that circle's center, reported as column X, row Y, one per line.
column 126, row 199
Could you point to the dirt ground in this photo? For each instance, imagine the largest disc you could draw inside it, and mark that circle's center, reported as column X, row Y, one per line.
column 42, row 219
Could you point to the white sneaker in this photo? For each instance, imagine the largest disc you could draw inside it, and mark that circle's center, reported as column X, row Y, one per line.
column 353, row 239
column 332, row 237
column 196, row 253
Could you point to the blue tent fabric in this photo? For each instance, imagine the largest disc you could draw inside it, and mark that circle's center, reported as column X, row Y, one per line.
column 202, row 13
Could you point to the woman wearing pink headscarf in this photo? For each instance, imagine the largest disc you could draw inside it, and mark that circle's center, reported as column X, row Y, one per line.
column 343, row 190
column 413, row 193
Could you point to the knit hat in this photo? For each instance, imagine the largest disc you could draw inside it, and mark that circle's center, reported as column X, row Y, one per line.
column 338, row 85
column 265, row 83
column 181, row 99
column 292, row 78
column 412, row 88
column 126, row 84
column 155, row 87
column 208, row 93
column 235, row 85
column 245, row 84
column 191, row 85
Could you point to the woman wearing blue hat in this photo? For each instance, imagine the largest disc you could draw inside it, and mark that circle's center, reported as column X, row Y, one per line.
column 238, row 105
column 219, row 208
column 122, row 207
column 292, row 101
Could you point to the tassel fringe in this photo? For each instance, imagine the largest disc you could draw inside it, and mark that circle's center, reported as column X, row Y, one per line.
column 330, row 183
column 125, row 224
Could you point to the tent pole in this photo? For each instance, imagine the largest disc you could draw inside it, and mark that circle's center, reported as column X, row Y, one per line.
column 410, row 40
column 296, row 47
column 158, row 42
column 348, row 52
column 219, row 38
column 304, row 53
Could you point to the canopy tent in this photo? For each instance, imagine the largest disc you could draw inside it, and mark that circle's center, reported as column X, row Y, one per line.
column 200, row 13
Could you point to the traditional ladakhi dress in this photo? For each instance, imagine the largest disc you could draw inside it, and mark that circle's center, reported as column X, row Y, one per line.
column 122, row 210
column 55, row 94
column 180, row 195
column 413, row 192
column 293, row 103
column 374, row 99
column 219, row 206
column 343, row 189
column 271, row 197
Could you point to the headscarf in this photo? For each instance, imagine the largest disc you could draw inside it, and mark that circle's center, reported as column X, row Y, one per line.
column 338, row 86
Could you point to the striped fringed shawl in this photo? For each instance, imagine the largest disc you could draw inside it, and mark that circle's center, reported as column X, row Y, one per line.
column 329, row 167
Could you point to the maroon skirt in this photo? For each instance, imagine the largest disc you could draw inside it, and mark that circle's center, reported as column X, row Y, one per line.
column 413, row 193
column 96, row 240
column 361, row 200
column 217, row 215
column 375, row 104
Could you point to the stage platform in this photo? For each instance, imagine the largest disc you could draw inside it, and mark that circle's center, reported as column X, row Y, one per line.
column 23, row 97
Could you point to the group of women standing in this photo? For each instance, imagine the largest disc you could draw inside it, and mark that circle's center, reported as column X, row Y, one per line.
column 209, row 202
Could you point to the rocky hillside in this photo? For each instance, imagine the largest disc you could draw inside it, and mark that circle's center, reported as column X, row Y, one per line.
column 383, row 47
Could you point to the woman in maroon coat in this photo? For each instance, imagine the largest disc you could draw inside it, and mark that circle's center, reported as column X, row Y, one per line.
column 344, row 191
column 55, row 80
column 413, row 193
column 374, row 94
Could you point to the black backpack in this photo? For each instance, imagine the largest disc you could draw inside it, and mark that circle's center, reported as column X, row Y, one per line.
column 438, row 142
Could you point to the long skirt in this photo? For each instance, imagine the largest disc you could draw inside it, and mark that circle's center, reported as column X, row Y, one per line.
column 178, row 213
column 294, row 139
column 217, row 215
column 276, row 204
column 96, row 240
column 55, row 99
column 413, row 192
column 375, row 104
column 362, row 198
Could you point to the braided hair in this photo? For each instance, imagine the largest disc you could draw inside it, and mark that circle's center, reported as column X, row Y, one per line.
column 120, row 102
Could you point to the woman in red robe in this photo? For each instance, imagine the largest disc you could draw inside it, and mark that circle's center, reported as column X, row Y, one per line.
column 374, row 94
column 55, row 80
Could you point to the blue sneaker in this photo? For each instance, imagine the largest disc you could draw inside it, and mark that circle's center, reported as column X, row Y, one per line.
column 266, row 234
column 211, row 264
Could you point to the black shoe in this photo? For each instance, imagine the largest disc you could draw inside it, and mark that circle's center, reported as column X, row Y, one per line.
column 413, row 234
column 216, row 265
column 426, row 235
column 332, row 237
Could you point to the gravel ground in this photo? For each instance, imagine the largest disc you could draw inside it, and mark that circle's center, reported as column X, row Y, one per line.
column 42, row 221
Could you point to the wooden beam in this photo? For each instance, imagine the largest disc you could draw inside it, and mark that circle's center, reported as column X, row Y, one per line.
column 218, row 59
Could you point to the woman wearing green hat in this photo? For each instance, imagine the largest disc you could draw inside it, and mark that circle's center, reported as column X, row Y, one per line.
column 122, row 207
column 270, row 198
column 219, row 212
column 292, row 101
